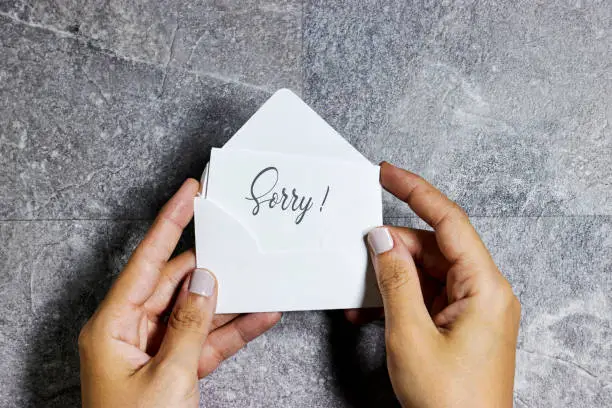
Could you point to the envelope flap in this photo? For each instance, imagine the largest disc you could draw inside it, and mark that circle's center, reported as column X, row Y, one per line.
column 286, row 124
column 210, row 217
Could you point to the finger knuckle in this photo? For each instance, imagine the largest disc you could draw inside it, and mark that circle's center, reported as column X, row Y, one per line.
column 505, row 300
column 187, row 318
column 393, row 278
column 451, row 214
column 87, row 334
column 83, row 339
column 218, row 355
column 507, row 306
column 457, row 212
column 463, row 284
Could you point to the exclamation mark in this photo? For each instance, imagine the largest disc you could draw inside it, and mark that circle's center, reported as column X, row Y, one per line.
column 324, row 198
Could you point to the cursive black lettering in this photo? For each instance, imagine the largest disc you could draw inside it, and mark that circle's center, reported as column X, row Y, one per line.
column 262, row 193
column 286, row 203
column 255, row 197
column 303, row 207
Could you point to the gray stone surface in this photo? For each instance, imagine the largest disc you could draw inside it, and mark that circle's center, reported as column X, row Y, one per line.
column 105, row 107
column 254, row 41
column 89, row 135
column 504, row 105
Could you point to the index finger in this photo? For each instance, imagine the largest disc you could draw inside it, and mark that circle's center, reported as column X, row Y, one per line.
column 456, row 237
column 141, row 274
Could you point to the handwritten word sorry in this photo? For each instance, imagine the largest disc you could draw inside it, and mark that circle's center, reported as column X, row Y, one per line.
column 263, row 195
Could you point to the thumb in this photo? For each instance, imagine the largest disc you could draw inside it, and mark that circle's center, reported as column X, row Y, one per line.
column 398, row 281
column 190, row 321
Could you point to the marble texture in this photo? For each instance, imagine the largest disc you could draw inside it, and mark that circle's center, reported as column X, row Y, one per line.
column 90, row 135
column 504, row 105
column 105, row 107
column 254, row 41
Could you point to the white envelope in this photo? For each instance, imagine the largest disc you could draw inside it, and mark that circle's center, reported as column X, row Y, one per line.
column 255, row 280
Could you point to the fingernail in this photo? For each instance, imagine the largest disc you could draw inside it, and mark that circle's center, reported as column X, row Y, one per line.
column 380, row 240
column 202, row 283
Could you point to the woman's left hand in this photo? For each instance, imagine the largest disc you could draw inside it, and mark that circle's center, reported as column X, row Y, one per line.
column 129, row 355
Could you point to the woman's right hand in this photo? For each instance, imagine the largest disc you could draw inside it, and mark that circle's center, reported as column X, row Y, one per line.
column 451, row 317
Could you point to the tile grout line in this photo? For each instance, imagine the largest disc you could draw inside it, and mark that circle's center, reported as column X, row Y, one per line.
column 512, row 216
column 9, row 220
column 111, row 53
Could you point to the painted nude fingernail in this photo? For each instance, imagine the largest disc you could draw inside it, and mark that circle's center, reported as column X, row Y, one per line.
column 202, row 283
column 380, row 240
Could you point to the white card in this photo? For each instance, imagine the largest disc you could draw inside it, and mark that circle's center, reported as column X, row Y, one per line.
column 302, row 250
column 292, row 202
